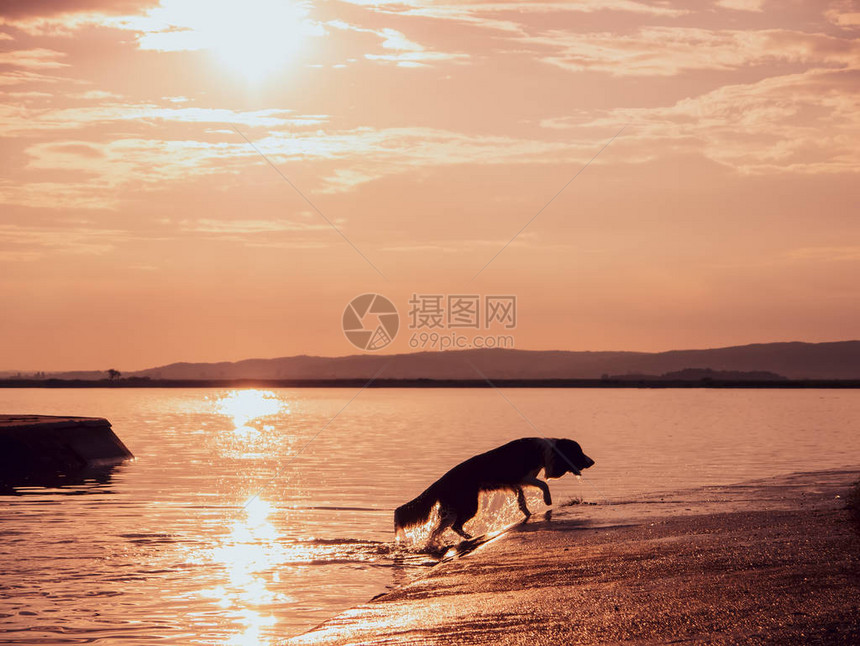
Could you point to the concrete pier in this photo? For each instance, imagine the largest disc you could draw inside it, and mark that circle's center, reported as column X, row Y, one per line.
column 34, row 448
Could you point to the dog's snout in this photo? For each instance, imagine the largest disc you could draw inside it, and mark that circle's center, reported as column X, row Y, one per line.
column 588, row 462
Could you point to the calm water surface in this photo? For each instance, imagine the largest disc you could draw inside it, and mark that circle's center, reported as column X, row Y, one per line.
column 251, row 515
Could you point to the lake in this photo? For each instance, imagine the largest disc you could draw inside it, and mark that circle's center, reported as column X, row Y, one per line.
column 251, row 515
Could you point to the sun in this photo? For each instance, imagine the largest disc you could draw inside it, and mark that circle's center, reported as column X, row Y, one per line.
column 254, row 37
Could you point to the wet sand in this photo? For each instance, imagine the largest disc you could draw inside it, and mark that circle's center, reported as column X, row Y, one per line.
column 771, row 561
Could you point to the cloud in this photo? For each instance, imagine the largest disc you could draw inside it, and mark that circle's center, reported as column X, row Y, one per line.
column 669, row 51
column 58, row 195
column 24, row 120
column 27, row 66
column 42, row 8
column 742, row 5
column 376, row 153
column 396, row 40
column 21, row 77
column 76, row 149
column 510, row 16
column 87, row 156
column 96, row 95
column 28, row 95
column 414, row 59
column 406, row 53
column 63, row 24
column 248, row 227
column 28, row 243
column 277, row 233
column 803, row 122
column 795, row 123
column 807, row 123
column 525, row 239
column 33, row 59
column 342, row 160
column 826, row 254
column 103, row 171
column 844, row 13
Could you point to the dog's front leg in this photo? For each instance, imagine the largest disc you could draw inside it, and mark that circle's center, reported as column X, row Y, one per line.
column 521, row 501
column 540, row 484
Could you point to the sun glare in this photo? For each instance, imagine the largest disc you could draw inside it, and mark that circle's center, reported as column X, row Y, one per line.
column 254, row 37
column 246, row 405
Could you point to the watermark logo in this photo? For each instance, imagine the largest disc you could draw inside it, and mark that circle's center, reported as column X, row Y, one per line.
column 370, row 322
column 452, row 321
column 436, row 321
column 429, row 311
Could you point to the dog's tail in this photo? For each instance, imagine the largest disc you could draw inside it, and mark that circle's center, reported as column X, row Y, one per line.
column 414, row 512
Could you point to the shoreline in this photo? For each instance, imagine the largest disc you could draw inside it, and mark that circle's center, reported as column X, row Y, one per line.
column 369, row 382
column 775, row 560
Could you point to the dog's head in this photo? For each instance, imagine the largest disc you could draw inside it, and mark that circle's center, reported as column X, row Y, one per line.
column 566, row 456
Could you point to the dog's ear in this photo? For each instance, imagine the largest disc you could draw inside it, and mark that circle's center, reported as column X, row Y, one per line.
column 555, row 466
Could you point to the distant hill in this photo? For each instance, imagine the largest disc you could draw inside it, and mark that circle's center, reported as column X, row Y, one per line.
column 836, row 360
column 702, row 374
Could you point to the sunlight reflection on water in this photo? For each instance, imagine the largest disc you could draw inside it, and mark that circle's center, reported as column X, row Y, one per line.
column 252, row 414
column 251, row 549
column 243, row 406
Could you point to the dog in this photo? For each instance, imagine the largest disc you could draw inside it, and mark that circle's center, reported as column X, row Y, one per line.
column 509, row 467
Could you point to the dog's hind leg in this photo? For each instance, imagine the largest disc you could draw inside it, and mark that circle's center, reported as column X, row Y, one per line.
column 521, row 501
column 464, row 515
column 447, row 517
column 435, row 534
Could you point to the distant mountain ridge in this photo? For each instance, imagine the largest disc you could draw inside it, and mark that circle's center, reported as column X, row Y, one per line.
column 794, row 360
column 705, row 374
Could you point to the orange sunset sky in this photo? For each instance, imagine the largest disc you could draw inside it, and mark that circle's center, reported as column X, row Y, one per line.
column 139, row 227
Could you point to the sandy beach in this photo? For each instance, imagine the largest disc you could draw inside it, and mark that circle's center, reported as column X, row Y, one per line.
column 768, row 561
